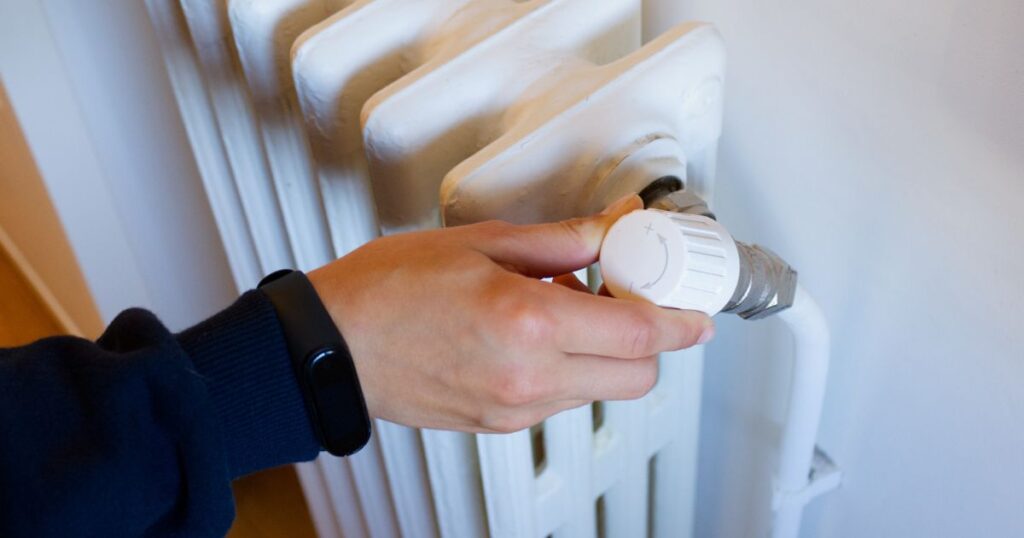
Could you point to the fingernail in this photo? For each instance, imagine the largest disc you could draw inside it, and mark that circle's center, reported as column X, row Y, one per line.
column 618, row 204
column 707, row 335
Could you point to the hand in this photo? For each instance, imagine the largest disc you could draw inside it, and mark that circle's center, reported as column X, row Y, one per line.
column 453, row 329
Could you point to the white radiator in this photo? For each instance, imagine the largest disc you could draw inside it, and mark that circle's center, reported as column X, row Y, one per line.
column 319, row 124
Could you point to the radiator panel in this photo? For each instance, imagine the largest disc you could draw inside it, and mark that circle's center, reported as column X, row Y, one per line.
column 334, row 79
column 423, row 125
column 263, row 32
column 233, row 111
column 320, row 124
column 669, row 91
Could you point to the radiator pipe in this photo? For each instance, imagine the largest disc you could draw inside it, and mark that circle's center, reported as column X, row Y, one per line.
column 767, row 285
column 806, row 399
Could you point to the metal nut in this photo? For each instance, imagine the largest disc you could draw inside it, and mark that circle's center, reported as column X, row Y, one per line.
column 767, row 284
column 683, row 201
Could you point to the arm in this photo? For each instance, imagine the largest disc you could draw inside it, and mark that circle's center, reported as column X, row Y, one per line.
column 143, row 430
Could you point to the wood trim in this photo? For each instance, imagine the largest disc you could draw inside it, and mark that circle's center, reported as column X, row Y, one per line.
column 46, row 296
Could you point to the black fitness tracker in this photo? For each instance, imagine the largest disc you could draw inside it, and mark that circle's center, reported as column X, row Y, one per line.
column 322, row 362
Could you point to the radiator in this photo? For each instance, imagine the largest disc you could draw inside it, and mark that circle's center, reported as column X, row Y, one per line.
column 319, row 124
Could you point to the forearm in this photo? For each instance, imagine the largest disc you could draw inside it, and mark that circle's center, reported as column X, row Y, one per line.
column 242, row 358
column 142, row 431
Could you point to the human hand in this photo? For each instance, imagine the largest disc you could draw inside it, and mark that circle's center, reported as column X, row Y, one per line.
column 453, row 328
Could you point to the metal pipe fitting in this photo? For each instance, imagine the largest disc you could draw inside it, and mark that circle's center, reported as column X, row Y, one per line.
column 766, row 285
column 669, row 194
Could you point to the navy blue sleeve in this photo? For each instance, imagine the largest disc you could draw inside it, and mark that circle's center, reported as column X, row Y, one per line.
column 141, row 432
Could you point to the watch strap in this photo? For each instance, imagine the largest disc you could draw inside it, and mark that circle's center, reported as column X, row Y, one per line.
column 321, row 361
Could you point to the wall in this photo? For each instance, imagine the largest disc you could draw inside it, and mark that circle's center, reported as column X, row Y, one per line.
column 878, row 147
column 31, row 230
column 88, row 86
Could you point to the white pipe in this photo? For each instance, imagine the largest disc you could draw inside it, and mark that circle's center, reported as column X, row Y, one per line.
column 807, row 393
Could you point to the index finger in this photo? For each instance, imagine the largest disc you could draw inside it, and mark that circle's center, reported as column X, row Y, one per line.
column 606, row 326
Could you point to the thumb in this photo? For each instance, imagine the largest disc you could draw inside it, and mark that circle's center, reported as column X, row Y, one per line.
column 542, row 250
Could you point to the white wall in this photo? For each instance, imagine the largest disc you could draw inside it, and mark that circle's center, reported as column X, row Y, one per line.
column 89, row 88
column 32, row 235
column 879, row 147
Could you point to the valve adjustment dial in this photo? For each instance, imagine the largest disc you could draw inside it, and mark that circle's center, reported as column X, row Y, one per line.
column 671, row 259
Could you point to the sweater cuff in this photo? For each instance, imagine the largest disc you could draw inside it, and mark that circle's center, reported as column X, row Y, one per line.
column 242, row 356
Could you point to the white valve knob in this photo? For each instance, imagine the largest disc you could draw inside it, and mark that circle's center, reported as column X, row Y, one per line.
column 671, row 259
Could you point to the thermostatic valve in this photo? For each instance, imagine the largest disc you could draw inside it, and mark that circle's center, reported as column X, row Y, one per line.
column 671, row 259
column 689, row 261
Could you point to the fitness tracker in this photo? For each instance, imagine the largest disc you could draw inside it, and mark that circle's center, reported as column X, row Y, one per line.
column 322, row 363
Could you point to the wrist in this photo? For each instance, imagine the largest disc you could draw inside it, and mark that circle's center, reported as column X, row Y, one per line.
column 322, row 363
column 342, row 302
column 241, row 356
column 324, row 287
